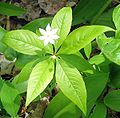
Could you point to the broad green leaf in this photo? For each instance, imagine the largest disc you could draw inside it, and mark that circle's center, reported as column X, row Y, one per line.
column 1, row 107
column 21, row 87
column 71, row 83
column 37, row 23
column 114, row 76
column 105, row 19
column 100, row 111
column 2, row 45
column 88, row 50
column 104, row 66
column 97, row 59
column 2, row 32
column 6, row 116
column 86, row 11
column 110, row 47
column 117, row 34
column 104, row 7
column 40, row 77
column 112, row 100
column 61, row 107
column 10, row 10
column 116, row 20
column 21, row 80
column 1, row 84
column 10, row 54
column 112, row 50
column 81, row 37
column 62, row 21
column 10, row 99
column 95, row 85
column 116, row 17
column 102, row 41
column 23, row 41
column 80, row 63
column 22, row 60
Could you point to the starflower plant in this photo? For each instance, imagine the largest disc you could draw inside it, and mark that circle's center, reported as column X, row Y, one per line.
column 57, row 57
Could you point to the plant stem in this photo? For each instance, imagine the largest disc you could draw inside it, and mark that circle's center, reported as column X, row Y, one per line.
column 8, row 23
column 8, row 20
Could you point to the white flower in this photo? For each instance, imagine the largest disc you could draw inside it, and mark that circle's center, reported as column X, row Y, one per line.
column 48, row 35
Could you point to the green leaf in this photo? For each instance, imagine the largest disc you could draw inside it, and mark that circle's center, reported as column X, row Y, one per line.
column 105, row 19
column 61, row 107
column 116, row 20
column 95, row 85
column 10, row 10
column 114, row 75
column 37, row 23
column 112, row 100
column 1, row 84
column 104, row 67
column 88, row 50
column 112, row 50
column 116, row 17
column 10, row 99
column 81, row 37
column 110, row 47
column 97, row 59
column 71, row 83
column 62, row 21
column 80, row 63
column 102, row 41
column 86, row 11
column 21, row 87
column 21, row 80
column 103, row 8
column 2, row 45
column 23, row 41
column 2, row 32
column 99, row 111
column 40, row 77
column 22, row 60
column 117, row 34
column 10, row 54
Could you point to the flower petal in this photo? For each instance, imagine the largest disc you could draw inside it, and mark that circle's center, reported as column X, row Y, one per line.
column 56, row 37
column 41, row 37
column 42, row 31
column 48, row 28
column 48, row 35
column 52, row 41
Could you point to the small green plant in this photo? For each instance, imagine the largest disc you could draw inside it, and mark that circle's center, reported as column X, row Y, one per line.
column 57, row 60
column 10, row 9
